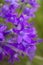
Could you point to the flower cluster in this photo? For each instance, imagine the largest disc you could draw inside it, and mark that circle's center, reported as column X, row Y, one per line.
column 21, row 38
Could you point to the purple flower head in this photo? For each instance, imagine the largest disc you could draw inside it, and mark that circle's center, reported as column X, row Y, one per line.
column 8, row 11
column 21, row 38
column 18, row 41
column 29, row 11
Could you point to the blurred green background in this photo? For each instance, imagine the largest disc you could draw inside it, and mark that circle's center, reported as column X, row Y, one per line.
column 38, row 22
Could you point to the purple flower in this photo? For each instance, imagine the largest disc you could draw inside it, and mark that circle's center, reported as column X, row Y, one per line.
column 18, row 40
column 13, row 2
column 29, row 12
column 22, row 38
column 9, row 12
